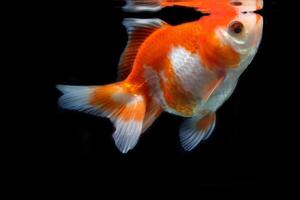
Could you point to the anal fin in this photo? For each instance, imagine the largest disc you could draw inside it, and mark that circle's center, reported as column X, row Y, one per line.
column 152, row 112
column 195, row 130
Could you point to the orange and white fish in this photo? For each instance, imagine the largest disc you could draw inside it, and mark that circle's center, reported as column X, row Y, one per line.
column 188, row 70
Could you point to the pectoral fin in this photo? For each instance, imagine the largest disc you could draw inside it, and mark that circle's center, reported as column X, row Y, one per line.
column 210, row 88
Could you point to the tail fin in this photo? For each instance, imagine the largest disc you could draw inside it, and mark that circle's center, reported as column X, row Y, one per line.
column 125, row 109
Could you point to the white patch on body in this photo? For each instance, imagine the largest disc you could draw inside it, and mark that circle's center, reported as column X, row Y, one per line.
column 153, row 81
column 186, row 66
column 193, row 77
column 126, row 98
column 191, row 73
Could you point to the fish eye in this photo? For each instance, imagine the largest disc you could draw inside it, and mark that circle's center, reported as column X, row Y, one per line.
column 236, row 27
column 236, row 3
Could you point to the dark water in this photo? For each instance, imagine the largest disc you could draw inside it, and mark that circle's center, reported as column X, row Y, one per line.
column 81, row 43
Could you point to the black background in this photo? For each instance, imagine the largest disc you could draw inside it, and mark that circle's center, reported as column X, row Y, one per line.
column 80, row 44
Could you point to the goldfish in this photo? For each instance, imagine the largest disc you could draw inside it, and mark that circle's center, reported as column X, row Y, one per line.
column 188, row 70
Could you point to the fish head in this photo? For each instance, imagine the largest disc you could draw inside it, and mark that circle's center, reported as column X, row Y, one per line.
column 243, row 34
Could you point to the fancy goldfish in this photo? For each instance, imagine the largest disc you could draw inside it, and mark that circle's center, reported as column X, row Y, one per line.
column 188, row 70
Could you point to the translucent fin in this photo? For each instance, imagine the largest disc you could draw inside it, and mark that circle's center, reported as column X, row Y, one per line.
column 152, row 112
column 142, row 5
column 126, row 110
column 138, row 30
column 211, row 87
column 77, row 98
column 194, row 130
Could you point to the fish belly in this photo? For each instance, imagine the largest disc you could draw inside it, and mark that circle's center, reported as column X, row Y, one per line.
column 221, row 94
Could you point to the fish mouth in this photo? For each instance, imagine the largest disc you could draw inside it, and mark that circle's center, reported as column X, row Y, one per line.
column 256, row 34
column 255, row 37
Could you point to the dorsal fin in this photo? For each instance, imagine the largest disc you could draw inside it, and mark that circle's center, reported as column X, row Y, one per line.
column 138, row 30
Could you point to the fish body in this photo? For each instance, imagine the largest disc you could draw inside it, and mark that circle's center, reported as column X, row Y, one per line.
column 187, row 70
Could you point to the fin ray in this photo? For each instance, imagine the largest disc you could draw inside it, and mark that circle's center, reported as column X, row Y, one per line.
column 138, row 30
column 124, row 109
column 152, row 112
column 195, row 130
